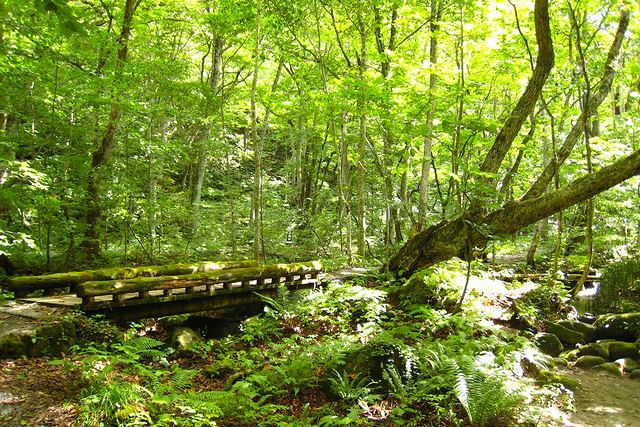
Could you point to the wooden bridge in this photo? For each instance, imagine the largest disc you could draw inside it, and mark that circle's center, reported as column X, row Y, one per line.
column 136, row 293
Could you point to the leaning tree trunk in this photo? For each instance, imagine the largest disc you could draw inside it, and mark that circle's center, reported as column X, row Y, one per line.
column 463, row 236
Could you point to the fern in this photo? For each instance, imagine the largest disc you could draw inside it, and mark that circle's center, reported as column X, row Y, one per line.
column 350, row 389
column 182, row 378
column 142, row 347
column 483, row 397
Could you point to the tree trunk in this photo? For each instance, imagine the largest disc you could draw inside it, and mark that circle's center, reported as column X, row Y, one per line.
column 428, row 138
column 362, row 135
column 257, row 146
column 449, row 239
column 100, row 157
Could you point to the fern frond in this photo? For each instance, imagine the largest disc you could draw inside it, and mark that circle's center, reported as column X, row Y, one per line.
column 182, row 378
column 139, row 344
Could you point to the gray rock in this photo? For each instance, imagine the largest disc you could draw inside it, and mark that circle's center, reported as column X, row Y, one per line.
column 635, row 374
column 589, row 361
column 566, row 335
column 624, row 327
column 184, row 339
column 590, row 332
column 548, row 343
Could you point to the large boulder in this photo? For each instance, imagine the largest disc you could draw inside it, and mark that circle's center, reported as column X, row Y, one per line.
column 635, row 374
column 623, row 327
column 621, row 350
column 589, row 361
column 590, row 332
column 594, row 349
column 566, row 335
column 548, row 344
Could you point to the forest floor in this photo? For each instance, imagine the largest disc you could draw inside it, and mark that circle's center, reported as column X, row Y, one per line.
column 35, row 393
column 603, row 400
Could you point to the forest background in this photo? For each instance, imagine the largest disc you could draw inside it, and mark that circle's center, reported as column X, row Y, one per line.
column 136, row 132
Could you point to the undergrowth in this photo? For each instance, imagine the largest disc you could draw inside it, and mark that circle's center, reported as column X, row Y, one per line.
column 345, row 355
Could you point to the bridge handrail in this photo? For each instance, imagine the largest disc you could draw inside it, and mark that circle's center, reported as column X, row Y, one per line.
column 88, row 291
column 26, row 284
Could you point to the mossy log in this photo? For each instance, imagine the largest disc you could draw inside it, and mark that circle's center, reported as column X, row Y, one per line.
column 145, row 284
column 26, row 284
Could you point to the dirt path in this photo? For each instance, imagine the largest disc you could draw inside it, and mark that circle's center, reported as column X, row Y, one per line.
column 604, row 400
column 35, row 393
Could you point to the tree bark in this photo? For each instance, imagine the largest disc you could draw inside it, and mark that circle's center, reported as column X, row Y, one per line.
column 428, row 139
column 257, row 146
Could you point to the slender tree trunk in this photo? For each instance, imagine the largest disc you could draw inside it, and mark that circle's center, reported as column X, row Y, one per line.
column 100, row 157
column 428, row 138
column 257, row 144
column 362, row 136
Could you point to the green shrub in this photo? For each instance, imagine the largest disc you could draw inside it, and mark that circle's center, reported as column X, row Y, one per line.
column 619, row 289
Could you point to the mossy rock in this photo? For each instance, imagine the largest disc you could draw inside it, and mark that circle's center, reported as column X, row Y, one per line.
column 380, row 354
column 590, row 332
column 621, row 350
column 548, row 343
column 546, row 377
column 559, row 361
column 635, row 374
column 49, row 339
column 610, row 367
column 13, row 346
column 565, row 335
column 594, row 349
column 585, row 362
column 623, row 327
column 53, row 339
column 570, row 355
column 628, row 365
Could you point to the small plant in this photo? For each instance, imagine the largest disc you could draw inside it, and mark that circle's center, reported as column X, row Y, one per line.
column 351, row 387
column 479, row 390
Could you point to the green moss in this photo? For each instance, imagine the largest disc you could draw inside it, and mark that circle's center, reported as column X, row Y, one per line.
column 546, row 377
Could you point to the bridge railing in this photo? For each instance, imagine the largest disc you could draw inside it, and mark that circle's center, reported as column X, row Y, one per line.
column 98, row 295
column 24, row 285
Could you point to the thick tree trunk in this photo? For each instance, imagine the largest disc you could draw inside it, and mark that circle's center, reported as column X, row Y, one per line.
column 462, row 236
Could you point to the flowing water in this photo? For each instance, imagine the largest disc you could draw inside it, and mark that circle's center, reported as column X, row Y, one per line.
column 583, row 302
